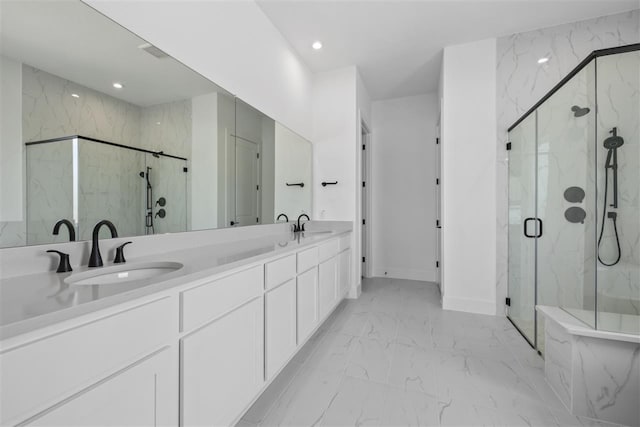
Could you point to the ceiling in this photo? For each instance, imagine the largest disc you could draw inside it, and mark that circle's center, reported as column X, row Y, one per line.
column 71, row 40
column 397, row 45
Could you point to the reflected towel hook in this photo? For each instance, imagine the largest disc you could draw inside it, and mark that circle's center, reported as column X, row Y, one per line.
column 299, row 184
column 324, row 184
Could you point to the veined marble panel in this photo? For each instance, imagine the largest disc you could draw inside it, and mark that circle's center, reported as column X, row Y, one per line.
column 49, row 111
column 606, row 380
column 597, row 377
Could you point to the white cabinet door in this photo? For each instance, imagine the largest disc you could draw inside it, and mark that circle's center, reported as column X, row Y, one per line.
column 307, row 303
column 344, row 268
column 144, row 394
column 280, row 326
column 222, row 367
column 327, row 292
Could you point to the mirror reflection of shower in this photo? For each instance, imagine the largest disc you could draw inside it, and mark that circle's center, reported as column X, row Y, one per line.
column 611, row 144
column 148, row 223
column 580, row 111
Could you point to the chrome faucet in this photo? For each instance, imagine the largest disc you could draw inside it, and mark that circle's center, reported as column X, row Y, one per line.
column 69, row 225
column 297, row 228
column 95, row 260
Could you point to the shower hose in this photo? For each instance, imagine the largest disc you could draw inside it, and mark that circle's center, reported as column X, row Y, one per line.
column 613, row 218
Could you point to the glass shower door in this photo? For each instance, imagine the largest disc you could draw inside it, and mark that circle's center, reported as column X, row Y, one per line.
column 522, row 227
column 565, row 265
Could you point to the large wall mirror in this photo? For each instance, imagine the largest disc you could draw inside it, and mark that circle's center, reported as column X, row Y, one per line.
column 96, row 123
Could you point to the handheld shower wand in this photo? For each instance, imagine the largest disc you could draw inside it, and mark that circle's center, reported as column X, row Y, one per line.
column 612, row 144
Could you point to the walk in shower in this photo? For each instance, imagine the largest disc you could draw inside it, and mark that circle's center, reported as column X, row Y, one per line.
column 86, row 180
column 574, row 199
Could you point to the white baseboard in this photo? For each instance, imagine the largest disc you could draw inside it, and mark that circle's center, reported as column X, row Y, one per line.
column 355, row 291
column 469, row 305
column 406, row 273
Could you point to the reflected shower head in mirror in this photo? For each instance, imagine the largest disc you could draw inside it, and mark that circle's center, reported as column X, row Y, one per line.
column 580, row 111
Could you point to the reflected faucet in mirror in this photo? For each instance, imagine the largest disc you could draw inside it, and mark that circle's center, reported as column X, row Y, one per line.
column 283, row 215
column 297, row 227
column 95, row 260
column 70, row 227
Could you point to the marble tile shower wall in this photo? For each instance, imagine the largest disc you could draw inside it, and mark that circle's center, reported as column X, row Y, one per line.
column 521, row 82
column 618, row 94
column 49, row 111
column 167, row 127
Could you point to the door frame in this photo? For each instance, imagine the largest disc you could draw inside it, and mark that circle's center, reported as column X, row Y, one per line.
column 365, row 175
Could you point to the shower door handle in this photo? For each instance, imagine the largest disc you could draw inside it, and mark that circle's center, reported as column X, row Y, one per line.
column 525, row 225
column 539, row 230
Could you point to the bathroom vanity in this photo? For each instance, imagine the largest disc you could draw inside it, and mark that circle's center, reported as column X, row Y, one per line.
column 194, row 346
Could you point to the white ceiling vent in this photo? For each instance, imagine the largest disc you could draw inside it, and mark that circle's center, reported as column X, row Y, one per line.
column 152, row 50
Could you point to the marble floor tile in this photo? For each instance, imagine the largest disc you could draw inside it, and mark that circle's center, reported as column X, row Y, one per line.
column 305, row 401
column 393, row 357
column 357, row 403
column 371, row 360
column 257, row 413
column 406, row 408
column 462, row 413
column 349, row 322
column 414, row 330
column 333, row 353
column 414, row 369
column 381, row 326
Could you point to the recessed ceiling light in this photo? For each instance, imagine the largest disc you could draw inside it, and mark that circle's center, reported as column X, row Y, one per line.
column 75, row 95
column 118, row 85
column 543, row 60
column 157, row 123
column 316, row 45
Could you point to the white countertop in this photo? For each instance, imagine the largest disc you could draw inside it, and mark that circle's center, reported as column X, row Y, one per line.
column 33, row 301
column 575, row 327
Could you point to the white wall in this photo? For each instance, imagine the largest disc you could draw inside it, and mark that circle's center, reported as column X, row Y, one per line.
column 230, row 42
column 339, row 101
column 469, row 177
column 334, row 144
column 403, row 187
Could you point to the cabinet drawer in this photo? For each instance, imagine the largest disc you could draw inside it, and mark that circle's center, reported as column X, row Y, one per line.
column 345, row 242
column 42, row 373
column 307, row 259
column 279, row 271
column 329, row 249
column 213, row 299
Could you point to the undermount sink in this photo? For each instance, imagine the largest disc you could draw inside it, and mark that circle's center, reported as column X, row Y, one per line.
column 123, row 273
column 316, row 232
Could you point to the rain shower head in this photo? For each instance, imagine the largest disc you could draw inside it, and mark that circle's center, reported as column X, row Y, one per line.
column 579, row 111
